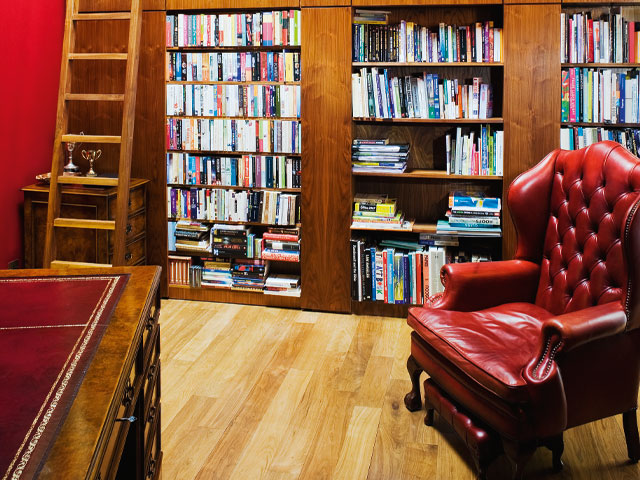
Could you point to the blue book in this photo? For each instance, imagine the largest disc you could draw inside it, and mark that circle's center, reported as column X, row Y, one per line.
column 389, row 93
column 436, row 96
column 171, row 230
column 485, row 152
column 270, row 74
column 372, row 251
column 191, row 171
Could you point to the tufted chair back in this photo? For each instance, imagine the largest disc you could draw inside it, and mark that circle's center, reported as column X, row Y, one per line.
column 592, row 197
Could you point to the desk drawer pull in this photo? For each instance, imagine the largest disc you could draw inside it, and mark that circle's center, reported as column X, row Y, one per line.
column 152, row 372
column 150, row 322
column 128, row 394
column 127, row 256
column 152, row 415
column 128, row 229
column 152, row 468
column 130, row 419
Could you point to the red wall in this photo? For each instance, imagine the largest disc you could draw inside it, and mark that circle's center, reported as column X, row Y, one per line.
column 32, row 46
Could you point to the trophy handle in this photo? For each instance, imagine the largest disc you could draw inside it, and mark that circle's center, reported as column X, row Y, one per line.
column 97, row 154
column 86, row 155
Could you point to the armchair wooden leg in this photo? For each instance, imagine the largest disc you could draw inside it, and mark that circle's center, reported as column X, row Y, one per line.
column 518, row 454
column 412, row 399
column 556, row 445
column 630, row 424
column 428, row 418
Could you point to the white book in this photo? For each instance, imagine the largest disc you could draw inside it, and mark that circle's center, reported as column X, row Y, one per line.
column 499, row 152
column 484, row 98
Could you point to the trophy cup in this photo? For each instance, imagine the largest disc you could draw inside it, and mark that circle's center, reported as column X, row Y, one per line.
column 92, row 156
column 70, row 169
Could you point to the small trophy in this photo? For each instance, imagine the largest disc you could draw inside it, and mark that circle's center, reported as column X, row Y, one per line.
column 71, row 169
column 92, row 156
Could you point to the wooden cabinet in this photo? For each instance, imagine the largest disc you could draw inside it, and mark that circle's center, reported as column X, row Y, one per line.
column 94, row 246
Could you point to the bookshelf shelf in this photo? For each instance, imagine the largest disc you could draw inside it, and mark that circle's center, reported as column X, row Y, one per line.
column 456, row 121
column 600, row 124
column 427, row 64
column 215, row 82
column 233, row 187
column 415, row 228
column 227, row 222
column 421, row 173
column 224, row 153
column 602, row 65
column 207, row 117
column 212, row 294
column 274, row 48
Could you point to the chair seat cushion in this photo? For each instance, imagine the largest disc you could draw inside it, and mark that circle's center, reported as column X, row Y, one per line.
column 488, row 347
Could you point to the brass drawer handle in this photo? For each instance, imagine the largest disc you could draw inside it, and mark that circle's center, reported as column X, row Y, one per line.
column 150, row 322
column 128, row 228
column 130, row 419
column 152, row 372
column 152, row 414
column 127, row 256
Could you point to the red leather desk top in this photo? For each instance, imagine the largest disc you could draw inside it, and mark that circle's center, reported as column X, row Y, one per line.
column 50, row 328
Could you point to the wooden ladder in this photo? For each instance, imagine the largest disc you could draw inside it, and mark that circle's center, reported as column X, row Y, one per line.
column 69, row 58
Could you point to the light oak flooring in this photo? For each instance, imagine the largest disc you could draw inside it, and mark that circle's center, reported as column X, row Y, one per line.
column 253, row 392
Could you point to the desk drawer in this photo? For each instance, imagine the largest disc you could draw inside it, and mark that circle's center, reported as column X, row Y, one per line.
column 136, row 202
column 153, row 461
column 135, row 226
column 134, row 252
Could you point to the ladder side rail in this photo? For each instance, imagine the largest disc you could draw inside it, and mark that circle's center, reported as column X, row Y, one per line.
column 55, row 196
column 128, row 120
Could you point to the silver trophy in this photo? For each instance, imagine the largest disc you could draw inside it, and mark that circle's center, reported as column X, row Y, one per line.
column 71, row 169
column 91, row 156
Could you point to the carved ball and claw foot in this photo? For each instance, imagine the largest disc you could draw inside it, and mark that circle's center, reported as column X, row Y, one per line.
column 412, row 400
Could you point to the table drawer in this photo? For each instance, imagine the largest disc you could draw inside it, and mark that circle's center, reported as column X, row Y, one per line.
column 134, row 252
column 136, row 202
column 153, row 462
column 136, row 225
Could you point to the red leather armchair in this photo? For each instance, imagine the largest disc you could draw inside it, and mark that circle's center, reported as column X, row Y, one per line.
column 518, row 351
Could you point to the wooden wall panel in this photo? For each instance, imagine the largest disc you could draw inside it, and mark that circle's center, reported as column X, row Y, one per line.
column 149, row 138
column 326, row 162
column 324, row 3
column 390, row 3
column 117, row 5
column 230, row 4
column 531, row 93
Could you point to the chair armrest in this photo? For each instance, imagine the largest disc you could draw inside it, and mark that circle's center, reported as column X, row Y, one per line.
column 565, row 332
column 476, row 286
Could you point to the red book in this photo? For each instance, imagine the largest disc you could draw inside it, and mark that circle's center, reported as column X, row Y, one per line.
column 572, row 94
column 425, row 277
column 418, row 264
column 590, row 40
column 284, row 237
column 263, row 66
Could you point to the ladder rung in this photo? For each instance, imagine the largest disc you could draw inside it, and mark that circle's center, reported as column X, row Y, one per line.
column 98, row 56
column 64, row 264
column 100, row 181
column 91, row 138
column 95, row 97
column 84, row 223
column 102, row 16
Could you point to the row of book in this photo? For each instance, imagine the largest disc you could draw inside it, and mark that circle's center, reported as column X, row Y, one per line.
column 270, row 28
column 211, row 204
column 401, row 272
column 233, row 66
column 234, row 241
column 247, row 171
column 238, row 274
column 410, row 42
column 600, row 96
column 472, row 214
column 608, row 39
column 234, row 100
column 574, row 138
column 378, row 94
column 378, row 156
column 378, row 212
column 472, row 153
column 227, row 135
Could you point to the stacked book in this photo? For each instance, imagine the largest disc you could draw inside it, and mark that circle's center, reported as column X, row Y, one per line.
column 280, row 284
column 249, row 275
column 178, row 270
column 216, row 273
column 230, row 241
column 379, row 156
column 281, row 244
column 192, row 237
column 377, row 212
column 472, row 215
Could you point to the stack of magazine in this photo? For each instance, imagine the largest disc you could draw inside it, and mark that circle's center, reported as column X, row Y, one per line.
column 379, row 156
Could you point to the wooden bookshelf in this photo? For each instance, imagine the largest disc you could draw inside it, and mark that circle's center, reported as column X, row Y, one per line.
column 422, row 190
column 231, row 295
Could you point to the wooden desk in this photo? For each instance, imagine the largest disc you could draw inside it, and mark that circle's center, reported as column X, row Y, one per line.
column 122, row 380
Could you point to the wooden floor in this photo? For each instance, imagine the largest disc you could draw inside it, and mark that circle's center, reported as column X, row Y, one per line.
column 254, row 392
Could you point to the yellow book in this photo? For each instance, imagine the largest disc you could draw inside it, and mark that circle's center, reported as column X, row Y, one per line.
column 288, row 62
